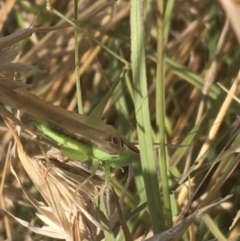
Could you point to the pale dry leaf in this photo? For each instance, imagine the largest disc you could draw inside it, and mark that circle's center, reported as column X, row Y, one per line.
column 232, row 10
column 237, row 217
column 50, row 218
column 47, row 221
column 65, row 207
column 39, row 230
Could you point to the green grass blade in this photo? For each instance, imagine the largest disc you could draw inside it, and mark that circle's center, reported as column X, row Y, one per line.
column 160, row 115
column 211, row 224
column 167, row 19
column 142, row 115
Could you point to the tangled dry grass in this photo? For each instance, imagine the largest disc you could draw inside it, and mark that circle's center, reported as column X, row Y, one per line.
column 37, row 68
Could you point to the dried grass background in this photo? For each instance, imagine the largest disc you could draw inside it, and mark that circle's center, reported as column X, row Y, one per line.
column 206, row 50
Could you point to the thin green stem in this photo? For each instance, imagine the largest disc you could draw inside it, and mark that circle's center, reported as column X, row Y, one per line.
column 77, row 72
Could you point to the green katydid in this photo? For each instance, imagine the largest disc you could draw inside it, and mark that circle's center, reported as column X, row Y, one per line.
column 102, row 138
column 91, row 129
column 81, row 150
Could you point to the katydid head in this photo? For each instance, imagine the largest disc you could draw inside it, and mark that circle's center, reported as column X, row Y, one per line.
column 115, row 141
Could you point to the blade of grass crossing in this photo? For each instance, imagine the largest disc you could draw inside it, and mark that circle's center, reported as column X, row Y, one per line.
column 142, row 116
column 191, row 77
column 98, row 110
